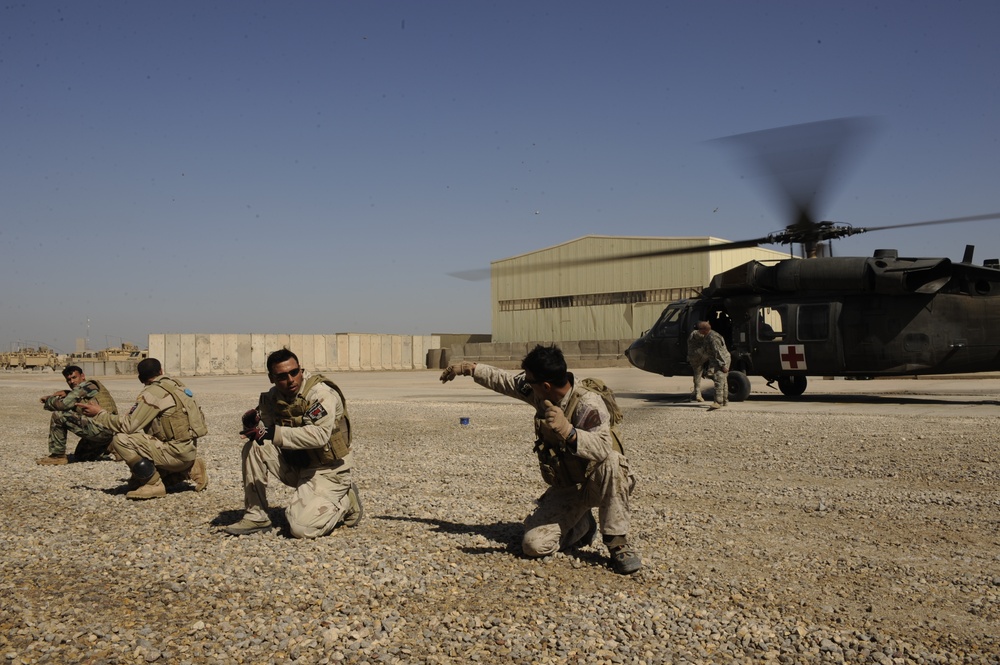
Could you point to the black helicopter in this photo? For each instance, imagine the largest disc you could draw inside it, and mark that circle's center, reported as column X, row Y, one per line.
column 859, row 317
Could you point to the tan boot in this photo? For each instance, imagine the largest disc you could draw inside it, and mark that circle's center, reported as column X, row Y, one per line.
column 198, row 474
column 154, row 488
column 357, row 511
column 52, row 460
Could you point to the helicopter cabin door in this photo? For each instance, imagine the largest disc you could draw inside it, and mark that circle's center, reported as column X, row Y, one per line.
column 797, row 339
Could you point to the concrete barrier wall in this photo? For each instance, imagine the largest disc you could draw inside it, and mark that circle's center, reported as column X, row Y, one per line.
column 201, row 354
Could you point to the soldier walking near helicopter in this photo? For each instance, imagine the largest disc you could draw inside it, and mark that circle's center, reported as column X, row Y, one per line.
column 707, row 352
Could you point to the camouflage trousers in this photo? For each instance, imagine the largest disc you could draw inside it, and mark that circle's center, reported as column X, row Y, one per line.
column 94, row 439
column 168, row 456
column 320, row 501
column 561, row 516
column 720, row 378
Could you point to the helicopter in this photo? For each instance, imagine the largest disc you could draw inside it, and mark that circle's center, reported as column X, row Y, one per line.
column 820, row 315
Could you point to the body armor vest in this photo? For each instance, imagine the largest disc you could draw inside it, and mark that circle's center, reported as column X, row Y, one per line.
column 293, row 414
column 178, row 422
column 558, row 465
column 104, row 398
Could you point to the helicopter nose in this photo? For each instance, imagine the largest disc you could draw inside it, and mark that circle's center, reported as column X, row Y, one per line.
column 635, row 355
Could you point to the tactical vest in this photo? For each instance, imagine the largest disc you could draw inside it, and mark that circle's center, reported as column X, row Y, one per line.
column 183, row 421
column 295, row 414
column 103, row 397
column 558, row 465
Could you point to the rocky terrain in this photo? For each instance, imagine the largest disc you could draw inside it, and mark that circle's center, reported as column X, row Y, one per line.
column 767, row 536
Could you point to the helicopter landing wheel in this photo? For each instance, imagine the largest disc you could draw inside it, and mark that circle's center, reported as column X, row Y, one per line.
column 739, row 386
column 792, row 386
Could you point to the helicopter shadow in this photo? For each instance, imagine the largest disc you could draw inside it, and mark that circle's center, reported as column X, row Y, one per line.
column 819, row 398
column 664, row 398
column 916, row 400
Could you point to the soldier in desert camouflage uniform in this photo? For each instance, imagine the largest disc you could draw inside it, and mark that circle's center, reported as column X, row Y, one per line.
column 577, row 456
column 159, row 434
column 94, row 439
column 300, row 433
column 707, row 353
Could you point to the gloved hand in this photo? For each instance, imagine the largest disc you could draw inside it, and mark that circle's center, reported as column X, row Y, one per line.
column 253, row 428
column 556, row 421
column 458, row 369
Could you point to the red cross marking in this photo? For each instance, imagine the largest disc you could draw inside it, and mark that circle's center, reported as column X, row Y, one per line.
column 791, row 356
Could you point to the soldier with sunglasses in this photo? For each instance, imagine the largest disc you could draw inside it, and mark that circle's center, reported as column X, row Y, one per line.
column 301, row 434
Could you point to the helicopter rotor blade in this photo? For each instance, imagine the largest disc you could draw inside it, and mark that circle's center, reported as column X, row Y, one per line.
column 800, row 163
column 950, row 220
column 475, row 275
column 482, row 274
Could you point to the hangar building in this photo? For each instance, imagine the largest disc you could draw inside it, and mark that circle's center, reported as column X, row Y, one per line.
column 579, row 291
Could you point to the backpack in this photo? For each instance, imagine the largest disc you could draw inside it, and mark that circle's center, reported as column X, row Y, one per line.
column 608, row 395
column 184, row 399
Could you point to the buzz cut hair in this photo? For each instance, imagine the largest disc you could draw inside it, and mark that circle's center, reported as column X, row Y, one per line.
column 69, row 369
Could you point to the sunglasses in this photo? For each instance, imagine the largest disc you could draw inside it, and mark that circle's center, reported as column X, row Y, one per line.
column 284, row 376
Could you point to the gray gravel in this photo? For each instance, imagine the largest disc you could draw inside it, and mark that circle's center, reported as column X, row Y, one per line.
column 767, row 537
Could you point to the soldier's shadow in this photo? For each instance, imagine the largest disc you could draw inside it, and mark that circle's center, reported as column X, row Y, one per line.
column 508, row 534
column 122, row 490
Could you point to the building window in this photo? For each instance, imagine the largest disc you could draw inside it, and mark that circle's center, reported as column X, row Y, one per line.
column 591, row 299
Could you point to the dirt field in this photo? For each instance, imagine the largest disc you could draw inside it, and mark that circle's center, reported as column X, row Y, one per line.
column 860, row 523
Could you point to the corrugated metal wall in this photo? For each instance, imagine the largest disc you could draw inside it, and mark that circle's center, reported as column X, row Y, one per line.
column 572, row 292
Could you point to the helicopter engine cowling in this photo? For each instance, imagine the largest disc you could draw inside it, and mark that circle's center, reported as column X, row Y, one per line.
column 843, row 275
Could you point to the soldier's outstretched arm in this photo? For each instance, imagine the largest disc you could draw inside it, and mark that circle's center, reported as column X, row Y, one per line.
column 458, row 369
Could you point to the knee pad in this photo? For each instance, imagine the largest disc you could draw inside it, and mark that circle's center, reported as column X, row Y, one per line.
column 144, row 469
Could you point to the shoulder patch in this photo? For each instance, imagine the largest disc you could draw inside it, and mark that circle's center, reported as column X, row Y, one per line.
column 316, row 412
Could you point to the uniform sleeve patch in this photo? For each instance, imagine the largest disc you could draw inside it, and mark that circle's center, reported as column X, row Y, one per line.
column 316, row 411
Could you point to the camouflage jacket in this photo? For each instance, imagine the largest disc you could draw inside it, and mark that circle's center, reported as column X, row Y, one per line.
column 90, row 390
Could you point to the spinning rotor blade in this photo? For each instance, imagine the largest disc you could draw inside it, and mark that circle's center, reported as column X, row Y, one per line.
column 800, row 162
column 482, row 274
column 951, row 220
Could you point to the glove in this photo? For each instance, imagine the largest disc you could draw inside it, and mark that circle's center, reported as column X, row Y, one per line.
column 458, row 369
column 556, row 421
column 253, row 428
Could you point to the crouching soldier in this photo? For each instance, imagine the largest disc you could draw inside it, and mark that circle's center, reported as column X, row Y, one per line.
column 300, row 433
column 159, row 434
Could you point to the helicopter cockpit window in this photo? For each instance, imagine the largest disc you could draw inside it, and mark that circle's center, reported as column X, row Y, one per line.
column 668, row 323
column 814, row 322
column 770, row 323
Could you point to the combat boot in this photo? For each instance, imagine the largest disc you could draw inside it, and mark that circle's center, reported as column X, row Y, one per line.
column 198, row 474
column 624, row 559
column 144, row 471
column 696, row 397
column 247, row 526
column 356, row 511
column 153, row 489
column 52, row 460
column 715, row 405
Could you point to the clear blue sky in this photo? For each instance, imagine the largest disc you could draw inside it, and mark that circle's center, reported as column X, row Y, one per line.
column 321, row 166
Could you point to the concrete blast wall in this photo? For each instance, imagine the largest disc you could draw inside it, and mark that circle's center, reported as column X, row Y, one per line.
column 190, row 354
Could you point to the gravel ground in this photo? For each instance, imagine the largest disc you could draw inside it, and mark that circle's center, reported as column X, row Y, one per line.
column 766, row 537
